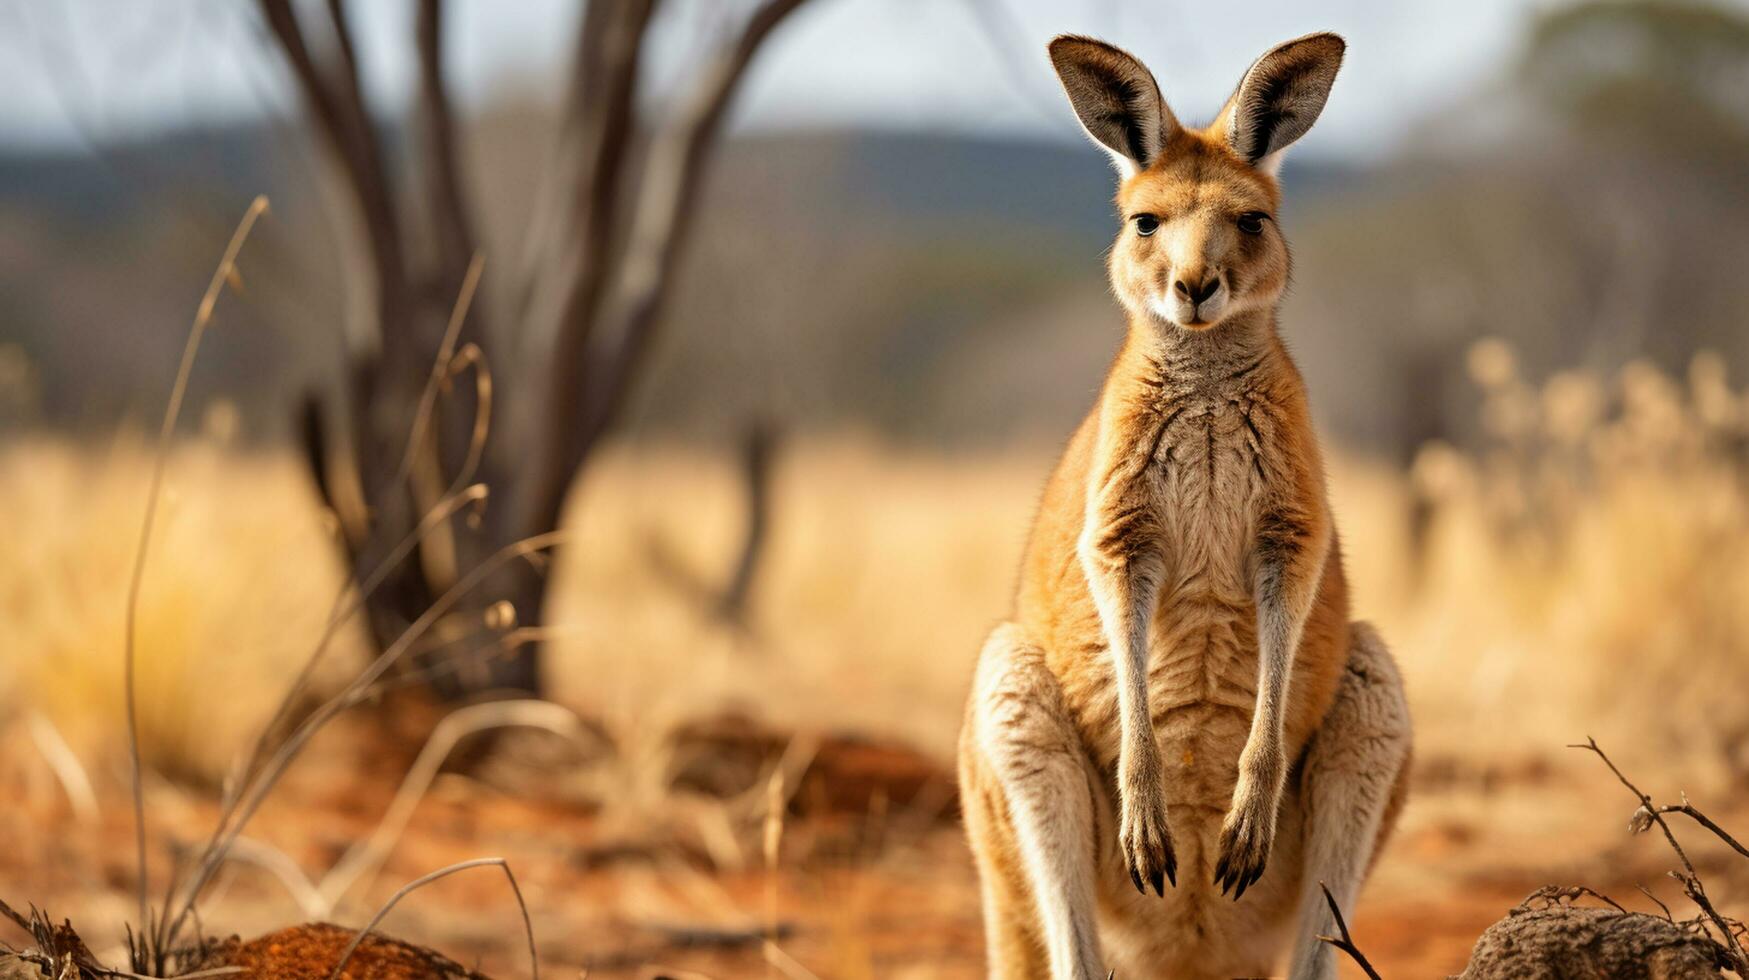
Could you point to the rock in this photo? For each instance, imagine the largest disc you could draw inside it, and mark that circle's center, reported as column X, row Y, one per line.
column 18, row 968
column 1582, row 943
column 309, row 952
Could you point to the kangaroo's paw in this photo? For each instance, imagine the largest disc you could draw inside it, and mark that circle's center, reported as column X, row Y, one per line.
column 1245, row 838
column 1144, row 835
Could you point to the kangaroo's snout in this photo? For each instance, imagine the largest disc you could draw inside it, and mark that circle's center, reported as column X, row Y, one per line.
column 1195, row 291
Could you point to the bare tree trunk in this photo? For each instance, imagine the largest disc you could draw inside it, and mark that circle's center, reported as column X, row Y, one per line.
column 757, row 453
column 612, row 269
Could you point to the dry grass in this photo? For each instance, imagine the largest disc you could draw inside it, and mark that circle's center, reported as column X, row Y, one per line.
column 1581, row 574
column 882, row 574
column 235, row 592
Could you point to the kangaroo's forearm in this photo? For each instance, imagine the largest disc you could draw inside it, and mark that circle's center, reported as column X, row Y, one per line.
column 1123, row 568
column 1291, row 551
column 1123, row 592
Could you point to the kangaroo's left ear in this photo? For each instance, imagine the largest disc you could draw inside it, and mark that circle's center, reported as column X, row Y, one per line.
column 1280, row 97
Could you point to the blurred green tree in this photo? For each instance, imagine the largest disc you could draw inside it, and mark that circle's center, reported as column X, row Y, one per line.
column 1666, row 76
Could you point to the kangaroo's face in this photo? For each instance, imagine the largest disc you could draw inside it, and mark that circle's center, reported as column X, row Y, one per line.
column 1199, row 241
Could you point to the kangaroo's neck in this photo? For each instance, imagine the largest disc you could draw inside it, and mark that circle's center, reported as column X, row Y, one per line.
column 1236, row 351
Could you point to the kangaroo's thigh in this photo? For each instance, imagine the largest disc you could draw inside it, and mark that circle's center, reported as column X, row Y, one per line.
column 1028, row 804
column 1351, row 787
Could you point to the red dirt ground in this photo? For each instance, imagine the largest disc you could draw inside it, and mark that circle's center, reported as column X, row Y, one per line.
column 873, row 881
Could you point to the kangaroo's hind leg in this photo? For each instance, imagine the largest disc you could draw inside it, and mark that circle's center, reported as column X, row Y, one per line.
column 1353, row 783
column 1025, row 788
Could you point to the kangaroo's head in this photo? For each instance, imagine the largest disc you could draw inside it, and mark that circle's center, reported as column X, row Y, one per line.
column 1199, row 242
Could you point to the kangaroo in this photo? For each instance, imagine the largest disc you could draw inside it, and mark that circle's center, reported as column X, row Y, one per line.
column 1178, row 709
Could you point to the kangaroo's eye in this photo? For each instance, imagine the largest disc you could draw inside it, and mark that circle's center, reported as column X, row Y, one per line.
column 1146, row 224
column 1251, row 222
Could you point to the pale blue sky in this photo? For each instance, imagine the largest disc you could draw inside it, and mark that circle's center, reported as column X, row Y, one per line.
column 127, row 66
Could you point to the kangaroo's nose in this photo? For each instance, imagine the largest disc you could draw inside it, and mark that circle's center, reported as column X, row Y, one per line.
column 1196, row 292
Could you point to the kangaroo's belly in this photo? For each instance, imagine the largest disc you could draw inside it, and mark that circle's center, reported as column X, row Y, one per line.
column 1202, row 690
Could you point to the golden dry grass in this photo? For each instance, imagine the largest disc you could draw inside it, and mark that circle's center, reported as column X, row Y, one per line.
column 1582, row 574
column 237, row 586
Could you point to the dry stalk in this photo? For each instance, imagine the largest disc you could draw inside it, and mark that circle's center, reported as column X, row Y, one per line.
column 233, row 814
column 255, row 779
column 776, row 801
column 64, row 763
column 459, row 495
column 415, row 885
column 440, row 366
column 472, row 356
column 355, row 692
column 225, row 273
column 276, row 862
column 366, row 856
column 249, row 772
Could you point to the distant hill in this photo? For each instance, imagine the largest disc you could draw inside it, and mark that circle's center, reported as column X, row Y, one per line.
column 930, row 287
column 105, row 253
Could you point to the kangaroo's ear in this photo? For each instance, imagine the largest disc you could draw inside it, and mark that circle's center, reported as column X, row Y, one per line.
column 1116, row 99
column 1280, row 97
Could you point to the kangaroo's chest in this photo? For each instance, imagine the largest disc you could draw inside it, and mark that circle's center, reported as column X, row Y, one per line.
column 1210, row 468
column 1208, row 471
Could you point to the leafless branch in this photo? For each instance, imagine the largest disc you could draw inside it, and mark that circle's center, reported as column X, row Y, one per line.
column 1343, row 941
column 1668, row 917
column 443, row 178
column 587, row 392
column 336, row 103
column 600, row 125
column 1690, row 880
column 1687, row 809
column 599, row 120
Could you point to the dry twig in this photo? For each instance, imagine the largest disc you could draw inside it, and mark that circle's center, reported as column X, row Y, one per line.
column 1343, row 941
column 1650, row 813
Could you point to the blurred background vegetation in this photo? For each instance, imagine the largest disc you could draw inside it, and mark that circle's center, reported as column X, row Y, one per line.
column 1583, row 202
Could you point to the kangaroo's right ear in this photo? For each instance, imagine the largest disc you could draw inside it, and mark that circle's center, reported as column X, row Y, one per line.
column 1116, row 98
